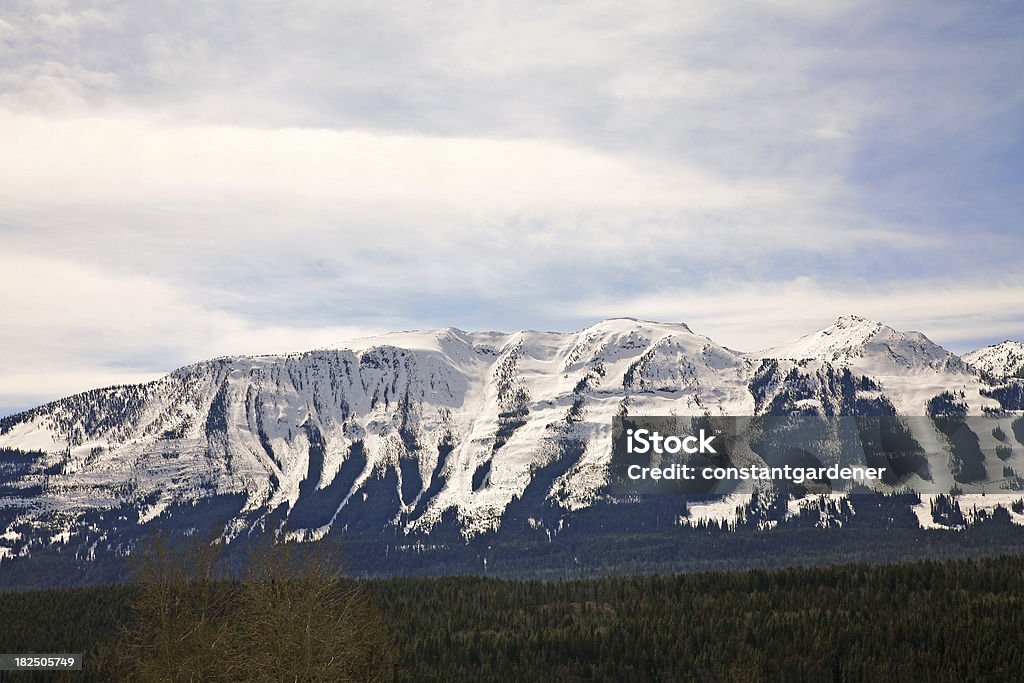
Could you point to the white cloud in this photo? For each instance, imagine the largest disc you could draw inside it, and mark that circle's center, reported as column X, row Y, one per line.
column 386, row 214
column 124, row 160
column 69, row 327
column 390, row 212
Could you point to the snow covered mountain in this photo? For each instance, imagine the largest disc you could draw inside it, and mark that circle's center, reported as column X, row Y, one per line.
column 1000, row 360
column 424, row 431
column 869, row 345
column 909, row 368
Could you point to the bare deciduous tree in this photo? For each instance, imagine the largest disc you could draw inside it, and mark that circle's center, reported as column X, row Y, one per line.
column 293, row 617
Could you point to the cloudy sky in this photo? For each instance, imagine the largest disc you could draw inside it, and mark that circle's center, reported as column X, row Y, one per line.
column 180, row 180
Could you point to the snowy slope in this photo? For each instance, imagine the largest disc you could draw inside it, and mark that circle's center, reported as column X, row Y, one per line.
column 909, row 368
column 871, row 347
column 249, row 425
column 1000, row 360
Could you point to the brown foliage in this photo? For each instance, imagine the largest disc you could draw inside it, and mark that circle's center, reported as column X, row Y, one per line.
column 292, row 618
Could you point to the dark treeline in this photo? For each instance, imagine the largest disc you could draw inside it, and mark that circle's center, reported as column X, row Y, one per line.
column 938, row 621
column 582, row 554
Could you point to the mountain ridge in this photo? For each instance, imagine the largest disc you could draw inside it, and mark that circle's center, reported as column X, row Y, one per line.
column 419, row 430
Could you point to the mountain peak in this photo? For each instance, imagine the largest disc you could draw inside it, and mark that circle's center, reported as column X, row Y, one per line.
column 855, row 329
column 626, row 323
column 853, row 320
column 870, row 346
column 999, row 360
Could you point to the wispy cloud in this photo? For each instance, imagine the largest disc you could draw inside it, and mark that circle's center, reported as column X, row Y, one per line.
column 127, row 161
